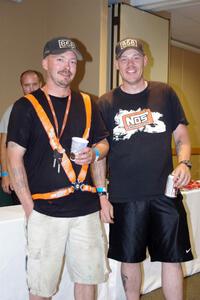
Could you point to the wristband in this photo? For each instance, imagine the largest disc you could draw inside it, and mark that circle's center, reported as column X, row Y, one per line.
column 97, row 154
column 101, row 189
column 4, row 174
column 186, row 162
column 102, row 194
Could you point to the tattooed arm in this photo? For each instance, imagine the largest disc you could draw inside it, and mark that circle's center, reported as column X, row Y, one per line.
column 98, row 171
column 18, row 176
column 183, row 150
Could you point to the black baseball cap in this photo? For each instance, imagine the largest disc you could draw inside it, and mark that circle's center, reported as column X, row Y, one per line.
column 128, row 43
column 60, row 45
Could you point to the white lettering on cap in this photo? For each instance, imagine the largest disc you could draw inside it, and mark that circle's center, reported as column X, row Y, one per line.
column 128, row 43
column 66, row 44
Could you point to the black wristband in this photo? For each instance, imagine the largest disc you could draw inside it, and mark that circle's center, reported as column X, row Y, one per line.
column 102, row 194
column 187, row 163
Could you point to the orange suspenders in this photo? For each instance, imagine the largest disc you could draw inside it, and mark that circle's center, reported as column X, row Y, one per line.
column 77, row 182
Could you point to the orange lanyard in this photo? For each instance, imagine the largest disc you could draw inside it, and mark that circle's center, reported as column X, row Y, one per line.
column 54, row 114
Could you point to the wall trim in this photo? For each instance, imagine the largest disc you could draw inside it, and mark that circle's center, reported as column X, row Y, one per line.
column 194, row 151
column 185, row 46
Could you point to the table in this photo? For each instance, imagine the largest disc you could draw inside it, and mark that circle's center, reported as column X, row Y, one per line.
column 12, row 262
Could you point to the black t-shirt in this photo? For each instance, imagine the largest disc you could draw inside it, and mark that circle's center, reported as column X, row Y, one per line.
column 140, row 127
column 26, row 129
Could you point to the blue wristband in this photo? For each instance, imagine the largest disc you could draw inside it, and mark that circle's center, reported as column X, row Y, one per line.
column 101, row 189
column 4, row 174
column 97, row 153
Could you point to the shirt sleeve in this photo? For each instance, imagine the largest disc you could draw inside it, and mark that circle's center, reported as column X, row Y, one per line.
column 98, row 128
column 20, row 122
column 178, row 114
column 103, row 105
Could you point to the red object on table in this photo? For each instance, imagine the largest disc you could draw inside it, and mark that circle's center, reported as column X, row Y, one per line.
column 193, row 184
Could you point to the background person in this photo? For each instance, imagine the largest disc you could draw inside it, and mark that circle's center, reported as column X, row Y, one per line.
column 141, row 117
column 30, row 81
column 60, row 202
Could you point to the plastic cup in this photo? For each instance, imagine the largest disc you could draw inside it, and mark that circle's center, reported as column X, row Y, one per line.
column 77, row 145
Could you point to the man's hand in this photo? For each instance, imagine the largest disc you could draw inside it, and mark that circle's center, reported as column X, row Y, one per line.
column 182, row 175
column 106, row 213
column 6, row 185
column 85, row 156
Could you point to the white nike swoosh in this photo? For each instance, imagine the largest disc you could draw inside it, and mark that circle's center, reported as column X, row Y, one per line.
column 187, row 251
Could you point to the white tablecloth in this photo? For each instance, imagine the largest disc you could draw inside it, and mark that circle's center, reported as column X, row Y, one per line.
column 12, row 254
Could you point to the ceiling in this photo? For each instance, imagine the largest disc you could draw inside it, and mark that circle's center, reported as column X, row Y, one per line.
column 184, row 15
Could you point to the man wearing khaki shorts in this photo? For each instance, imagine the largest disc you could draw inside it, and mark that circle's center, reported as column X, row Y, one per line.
column 58, row 195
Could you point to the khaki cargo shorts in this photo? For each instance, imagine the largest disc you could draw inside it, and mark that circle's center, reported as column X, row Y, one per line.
column 80, row 240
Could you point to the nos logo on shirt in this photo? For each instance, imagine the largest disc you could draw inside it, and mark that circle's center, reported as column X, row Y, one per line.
column 141, row 120
column 137, row 119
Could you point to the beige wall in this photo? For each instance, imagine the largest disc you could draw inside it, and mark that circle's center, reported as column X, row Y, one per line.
column 22, row 32
column 184, row 78
column 86, row 21
column 26, row 26
column 154, row 31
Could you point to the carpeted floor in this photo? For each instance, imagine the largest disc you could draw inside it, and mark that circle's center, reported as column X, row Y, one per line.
column 191, row 290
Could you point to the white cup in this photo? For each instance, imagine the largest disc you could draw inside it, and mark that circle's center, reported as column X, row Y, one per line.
column 170, row 190
column 77, row 145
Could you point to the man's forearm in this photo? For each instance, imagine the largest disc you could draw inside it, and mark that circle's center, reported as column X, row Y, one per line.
column 183, row 151
column 20, row 185
column 182, row 174
column 182, row 142
column 19, row 178
column 102, row 148
column 98, row 172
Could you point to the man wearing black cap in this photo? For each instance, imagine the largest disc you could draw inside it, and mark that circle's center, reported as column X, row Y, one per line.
column 58, row 195
column 141, row 117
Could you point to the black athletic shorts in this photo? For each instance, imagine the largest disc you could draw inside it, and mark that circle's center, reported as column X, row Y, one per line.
column 158, row 223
